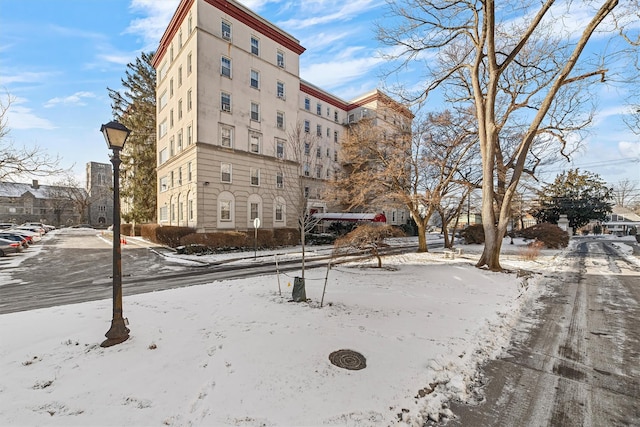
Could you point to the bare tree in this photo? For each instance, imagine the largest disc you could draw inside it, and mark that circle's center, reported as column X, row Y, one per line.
column 297, row 187
column 526, row 78
column 18, row 162
column 410, row 170
column 67, row 193
column 626, row 193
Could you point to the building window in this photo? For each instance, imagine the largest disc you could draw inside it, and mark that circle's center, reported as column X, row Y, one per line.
column 189, row 102
column 189, row 172
column 189, row 134
column 162, row 156
column 335, row 155
column 225, row 67
column 225, row 172
column 162, row 129
column 190, row 23
column 280, row 90
column 180, row 211
column 307, row 104
column 319, row 130
column 189, row 67
column 280, row 58
column 163, row 184
column 226, row 136
column 318, row 171
column 172, row 150
column 171, row 119
column 280, row 148
column 255, row 176
column 279, row 180
column 163, row 100
column 306, row 192
column 307, row 126
column 226, row 30
column 225, row 210
column 255, row 111
column 254, row 142
column 279, row 212
column 190, row 208
column 319, row 109
column 280, row 120
column 180, row 39
column 306, row 169
column 171, row 88
column 225, row 102
column 255, row 79
column 254, row 211
column 179, row 134
column 163, row 214
column 335, row 136
column 180, row 109
column 307, row 148
column 318, row 152
column 255, row 46
column 180, row 76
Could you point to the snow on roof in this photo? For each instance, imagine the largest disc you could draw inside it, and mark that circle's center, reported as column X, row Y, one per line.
column 39, row 191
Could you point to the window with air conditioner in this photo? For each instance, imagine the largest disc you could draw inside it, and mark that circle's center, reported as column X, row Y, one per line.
column 225, row 102
column 226, row 30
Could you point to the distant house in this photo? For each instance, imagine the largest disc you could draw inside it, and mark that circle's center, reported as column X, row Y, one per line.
column 34, row 202
column 60, row 205
column 620, row 221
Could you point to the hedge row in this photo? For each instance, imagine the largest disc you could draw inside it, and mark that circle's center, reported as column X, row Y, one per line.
column 184, row 236
column 552, row 236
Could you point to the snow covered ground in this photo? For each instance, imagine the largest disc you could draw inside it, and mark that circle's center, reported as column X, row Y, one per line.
column 239, row 353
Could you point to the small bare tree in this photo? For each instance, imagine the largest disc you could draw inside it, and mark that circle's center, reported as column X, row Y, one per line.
column 19, row 162
column 368, row 236
column 626, row 193
column 296, row 187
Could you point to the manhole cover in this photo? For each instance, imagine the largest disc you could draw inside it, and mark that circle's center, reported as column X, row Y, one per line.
column 348, row 359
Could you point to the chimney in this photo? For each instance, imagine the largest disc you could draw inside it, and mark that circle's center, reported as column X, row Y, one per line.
column 35, row 184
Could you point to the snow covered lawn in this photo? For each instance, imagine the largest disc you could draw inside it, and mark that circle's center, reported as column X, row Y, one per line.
column 236, row 353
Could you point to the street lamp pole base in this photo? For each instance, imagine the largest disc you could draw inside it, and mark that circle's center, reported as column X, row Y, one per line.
column 116, row 334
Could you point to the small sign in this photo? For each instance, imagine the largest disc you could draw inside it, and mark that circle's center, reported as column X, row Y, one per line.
column 256, row 223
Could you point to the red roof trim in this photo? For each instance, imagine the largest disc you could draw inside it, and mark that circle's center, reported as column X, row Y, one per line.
column 323, row 96
column 257, row 24
column 172, row 29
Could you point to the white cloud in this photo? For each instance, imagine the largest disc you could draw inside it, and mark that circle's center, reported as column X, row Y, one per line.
column 75, row 99
column 157, row 14
column 629, row 149
column 21, row 117
column 340, row 71
column 343, row 12
column 25, row 77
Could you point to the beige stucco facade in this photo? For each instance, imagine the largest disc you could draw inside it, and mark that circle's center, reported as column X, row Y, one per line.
column 229, row 99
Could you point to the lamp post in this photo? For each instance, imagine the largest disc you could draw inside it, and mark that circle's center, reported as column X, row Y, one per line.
column 116, row 134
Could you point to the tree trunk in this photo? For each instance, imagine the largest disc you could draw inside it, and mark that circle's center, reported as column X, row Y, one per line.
column 422, row 237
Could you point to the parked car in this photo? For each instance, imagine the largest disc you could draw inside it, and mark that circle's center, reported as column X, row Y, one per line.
column 46, row 227
column 9, row 247
column 4, row 225
column 31, row 236
column 32, row 228
column 16, row 238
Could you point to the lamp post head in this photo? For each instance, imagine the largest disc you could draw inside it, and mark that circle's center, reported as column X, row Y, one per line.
column 115, row 134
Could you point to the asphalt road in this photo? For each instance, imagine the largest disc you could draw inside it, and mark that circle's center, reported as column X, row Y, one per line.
column 75, row 266
column 575, row 359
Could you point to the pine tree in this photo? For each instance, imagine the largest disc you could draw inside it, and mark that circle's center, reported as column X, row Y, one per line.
column 582, row 196
column 136, row 109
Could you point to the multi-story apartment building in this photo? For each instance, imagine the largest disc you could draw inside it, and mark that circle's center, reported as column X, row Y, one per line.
column 236, row 122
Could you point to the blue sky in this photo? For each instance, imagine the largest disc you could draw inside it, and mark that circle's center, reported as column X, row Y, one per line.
column 57, row 59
